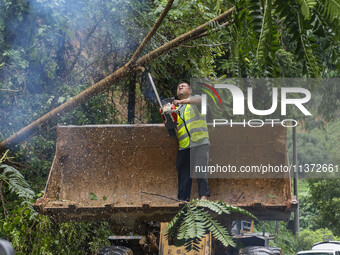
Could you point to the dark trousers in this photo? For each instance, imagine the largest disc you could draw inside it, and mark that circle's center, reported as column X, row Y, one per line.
column 199, row 156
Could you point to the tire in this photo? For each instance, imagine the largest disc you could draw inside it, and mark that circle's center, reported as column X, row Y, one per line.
column 114, row 250
column 259, row 250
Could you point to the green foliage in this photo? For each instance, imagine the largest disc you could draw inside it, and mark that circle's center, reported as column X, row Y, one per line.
column 286, row 64
column 93, row 196
column 195, row 219
column 325, row 197
column 307, row 238
column 306, row 7
column 13, row 181
column 50, row 51
column 16, row 182
column 309, row 215
column 312, row 149
column 285, row 238
column 291, row 244
column 330, row 110
column 331, row 10
column 318, row 145
column 31, row 233
column 262, row 28
column 266, row 32
column 319, row 204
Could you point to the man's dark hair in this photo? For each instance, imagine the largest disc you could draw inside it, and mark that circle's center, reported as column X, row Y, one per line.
column 183, row 82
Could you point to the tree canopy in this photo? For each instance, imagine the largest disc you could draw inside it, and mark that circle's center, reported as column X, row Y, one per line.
column 53, row 50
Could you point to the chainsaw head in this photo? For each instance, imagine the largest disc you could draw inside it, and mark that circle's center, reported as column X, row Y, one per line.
column 169, row 116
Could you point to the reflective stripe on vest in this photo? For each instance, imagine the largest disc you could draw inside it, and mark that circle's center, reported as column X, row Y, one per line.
column 195, row 124
column 191, row 120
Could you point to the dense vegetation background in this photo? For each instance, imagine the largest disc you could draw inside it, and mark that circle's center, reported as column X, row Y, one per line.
column 51, row 50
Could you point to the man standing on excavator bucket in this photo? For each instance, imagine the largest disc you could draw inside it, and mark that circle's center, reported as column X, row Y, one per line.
column 193, row 139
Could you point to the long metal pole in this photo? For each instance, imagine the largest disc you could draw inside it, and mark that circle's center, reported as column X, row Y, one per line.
column 296, row 188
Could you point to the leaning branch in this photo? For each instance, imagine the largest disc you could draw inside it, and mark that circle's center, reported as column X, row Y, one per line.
column 205, row 33
column 10, row 90
column 151, row 32
column 189, row 36
column 107, row 82
column 204, row 45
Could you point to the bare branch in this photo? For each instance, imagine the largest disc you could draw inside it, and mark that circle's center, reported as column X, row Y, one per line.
column 189, row 36
column 10, row 90
column 151, row 32
column 160, row 195
column 226, row 24
column 203, row 45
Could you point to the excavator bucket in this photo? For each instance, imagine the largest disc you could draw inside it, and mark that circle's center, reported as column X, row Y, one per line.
column 126, row 174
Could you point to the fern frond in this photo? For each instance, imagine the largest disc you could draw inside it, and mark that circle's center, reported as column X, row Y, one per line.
column 17, row 183
column 312, row 62
column 332, row 9
column 183, row 229
column 214, row 206
column 236, row 209
column 193, row 221
column 174, row 225
column 265, row 35
column 192, row 244
column 255, row 14
column 217, row 230
column 196, row 227
column 191, row 225
column 306, row 6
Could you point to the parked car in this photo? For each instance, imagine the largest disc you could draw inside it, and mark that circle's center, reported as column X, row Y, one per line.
column 333, row 245
column 323, row 248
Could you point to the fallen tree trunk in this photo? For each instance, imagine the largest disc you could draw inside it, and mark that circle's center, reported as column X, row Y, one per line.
column 105, row 83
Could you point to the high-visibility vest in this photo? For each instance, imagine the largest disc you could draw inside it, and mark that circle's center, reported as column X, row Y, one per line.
column 192, row 127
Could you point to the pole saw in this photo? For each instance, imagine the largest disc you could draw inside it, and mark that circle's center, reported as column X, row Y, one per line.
column 168, row 111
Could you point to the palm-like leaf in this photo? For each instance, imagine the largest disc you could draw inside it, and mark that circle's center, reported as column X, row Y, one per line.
column 265, row 35
column 306, row 6
column 332, row 10
column 194, row 220
column 297, row 26
column 173, row 227
column 218, row 231
column 217, row 207
column 16, row 182
column 311, row 61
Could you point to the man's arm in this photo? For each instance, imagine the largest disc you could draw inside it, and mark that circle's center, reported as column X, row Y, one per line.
column 196, row 100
